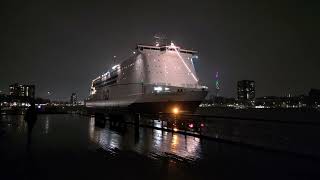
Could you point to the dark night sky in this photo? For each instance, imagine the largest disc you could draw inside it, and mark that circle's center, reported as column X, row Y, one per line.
column 60, row 46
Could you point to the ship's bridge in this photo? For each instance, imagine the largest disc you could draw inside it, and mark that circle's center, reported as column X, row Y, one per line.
column 171, row 47
column 169, row 65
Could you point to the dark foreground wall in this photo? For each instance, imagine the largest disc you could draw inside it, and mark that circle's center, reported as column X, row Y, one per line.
column 269, row 114
column 281, row 129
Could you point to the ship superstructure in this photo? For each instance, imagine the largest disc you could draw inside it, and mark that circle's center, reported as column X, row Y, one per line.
column 155, row 79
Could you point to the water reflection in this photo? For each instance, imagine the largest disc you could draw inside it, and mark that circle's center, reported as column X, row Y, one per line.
column 21, row 123
column 151, row 141
column 91, row 129
column 47, row 123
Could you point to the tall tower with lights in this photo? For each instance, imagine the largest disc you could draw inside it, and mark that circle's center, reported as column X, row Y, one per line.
column 217, row 86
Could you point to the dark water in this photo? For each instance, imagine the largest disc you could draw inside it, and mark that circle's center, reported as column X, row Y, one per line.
column 71, row 146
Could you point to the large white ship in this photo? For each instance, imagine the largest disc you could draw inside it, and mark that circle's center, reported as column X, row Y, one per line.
column 155, row 78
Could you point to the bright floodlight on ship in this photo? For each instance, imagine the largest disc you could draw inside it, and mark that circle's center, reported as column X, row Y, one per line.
column 175, row 110
column 158, row 88
column 175, row 48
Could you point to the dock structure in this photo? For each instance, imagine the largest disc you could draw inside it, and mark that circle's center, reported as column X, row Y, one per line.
column 265, row 134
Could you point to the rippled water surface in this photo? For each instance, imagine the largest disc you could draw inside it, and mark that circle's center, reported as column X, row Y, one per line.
column 150, row 142
column 72, row 146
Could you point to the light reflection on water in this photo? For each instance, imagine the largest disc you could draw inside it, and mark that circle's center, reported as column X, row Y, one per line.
column 65, row 137
column 91, row 129
column 147, row 142
column 150, row 142
column 21, row 124
column 47, row 123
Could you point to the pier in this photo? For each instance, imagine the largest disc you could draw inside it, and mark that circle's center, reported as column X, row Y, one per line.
column 278, row 135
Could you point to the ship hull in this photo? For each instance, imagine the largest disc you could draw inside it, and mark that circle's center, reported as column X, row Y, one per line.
column 164, row 107
column 186, row 102
column 149, row 107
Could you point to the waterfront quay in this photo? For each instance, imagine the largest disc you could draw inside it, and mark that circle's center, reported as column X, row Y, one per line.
column 73, row 146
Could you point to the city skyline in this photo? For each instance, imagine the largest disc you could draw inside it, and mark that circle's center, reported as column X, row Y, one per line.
column 61, row 46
